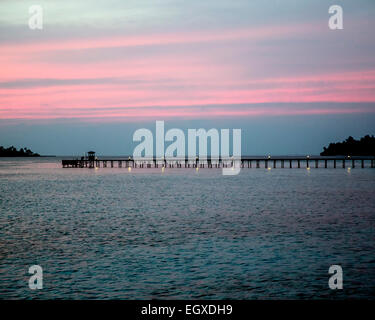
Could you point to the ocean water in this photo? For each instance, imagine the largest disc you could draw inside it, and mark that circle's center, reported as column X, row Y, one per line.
column 182, row 234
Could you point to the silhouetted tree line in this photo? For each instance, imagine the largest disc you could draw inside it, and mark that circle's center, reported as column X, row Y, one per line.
column 351, row 147
column 13, row 152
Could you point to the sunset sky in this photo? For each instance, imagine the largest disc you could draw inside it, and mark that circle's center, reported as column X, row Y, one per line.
column 98, row 70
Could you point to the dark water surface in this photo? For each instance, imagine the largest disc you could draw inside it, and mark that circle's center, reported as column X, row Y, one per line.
column 114, row 234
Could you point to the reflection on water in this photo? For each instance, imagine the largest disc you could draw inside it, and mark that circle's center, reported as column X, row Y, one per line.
column 181, row 233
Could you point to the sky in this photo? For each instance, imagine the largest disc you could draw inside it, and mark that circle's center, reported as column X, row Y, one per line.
column 99, row 70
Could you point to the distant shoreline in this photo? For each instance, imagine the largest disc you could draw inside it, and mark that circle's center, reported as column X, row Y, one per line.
column 259, row 157
column 23, row 156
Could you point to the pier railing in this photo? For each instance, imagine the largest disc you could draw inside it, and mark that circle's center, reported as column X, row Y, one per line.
column 267, row 162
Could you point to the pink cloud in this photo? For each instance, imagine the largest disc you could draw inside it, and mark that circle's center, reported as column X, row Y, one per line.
column 168, row 85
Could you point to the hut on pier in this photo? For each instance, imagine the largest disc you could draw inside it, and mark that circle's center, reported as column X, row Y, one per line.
column 91, row 156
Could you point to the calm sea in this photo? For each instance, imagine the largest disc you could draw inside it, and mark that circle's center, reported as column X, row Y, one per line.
column 144, row 234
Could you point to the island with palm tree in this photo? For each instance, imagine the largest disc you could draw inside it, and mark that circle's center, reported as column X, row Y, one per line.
column 13, row 152
column 352, row 147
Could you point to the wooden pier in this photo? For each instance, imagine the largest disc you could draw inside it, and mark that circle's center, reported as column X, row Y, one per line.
column 267, row 162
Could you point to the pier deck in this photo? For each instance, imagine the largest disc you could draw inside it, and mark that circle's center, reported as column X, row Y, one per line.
column 245, row 162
